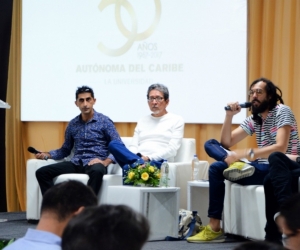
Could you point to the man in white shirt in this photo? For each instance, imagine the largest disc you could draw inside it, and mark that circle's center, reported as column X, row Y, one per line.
column 60, row 203
column 156, row 137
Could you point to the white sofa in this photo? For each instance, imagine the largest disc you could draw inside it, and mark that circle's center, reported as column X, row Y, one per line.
column 244, row 210
column 180, row 173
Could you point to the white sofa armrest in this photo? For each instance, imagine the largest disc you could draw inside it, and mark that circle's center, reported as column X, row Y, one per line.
column 34, row 196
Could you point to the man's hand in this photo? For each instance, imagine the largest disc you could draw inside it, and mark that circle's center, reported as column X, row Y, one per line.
column 234, row 108
column 236, row 155
column 231, row 157
column 42, row 155
column 145, row 158
column 105, row 163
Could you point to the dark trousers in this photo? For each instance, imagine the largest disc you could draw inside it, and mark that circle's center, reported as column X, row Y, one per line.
column 279, row 184
column 216, row 178
column 126, row 158
column 46, row 174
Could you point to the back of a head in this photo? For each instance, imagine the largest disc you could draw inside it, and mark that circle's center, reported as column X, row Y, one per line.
column 290, row 212
column 66, row 198
column 259, row 245
column 106, row 227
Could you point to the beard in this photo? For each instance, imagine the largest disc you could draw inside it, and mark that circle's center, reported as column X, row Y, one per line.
column 264, row 105
column 156, row 112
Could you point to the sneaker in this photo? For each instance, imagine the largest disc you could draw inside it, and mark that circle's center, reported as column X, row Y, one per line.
column 238, row 170
column 207, row 235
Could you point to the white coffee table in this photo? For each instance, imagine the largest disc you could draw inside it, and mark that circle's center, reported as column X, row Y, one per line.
column 198, row 198
column 159, row 205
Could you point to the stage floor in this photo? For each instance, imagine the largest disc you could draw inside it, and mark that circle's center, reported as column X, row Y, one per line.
column 15, row 225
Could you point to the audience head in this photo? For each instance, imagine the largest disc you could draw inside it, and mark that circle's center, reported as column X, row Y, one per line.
column 290, row 222
column 106, row 227
column 66, row 198
column 259, row 245
column 84, row 89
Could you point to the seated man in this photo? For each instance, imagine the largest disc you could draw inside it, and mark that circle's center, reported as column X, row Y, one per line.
column 106, row 227
column 276, row 130
column 88, row 134
column 60, row 203
column 156, row 137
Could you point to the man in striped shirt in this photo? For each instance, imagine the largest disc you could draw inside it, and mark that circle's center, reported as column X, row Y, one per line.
column 276, row 131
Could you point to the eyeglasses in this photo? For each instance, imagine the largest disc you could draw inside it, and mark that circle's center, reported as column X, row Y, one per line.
column 257, row 91
column 158, row 99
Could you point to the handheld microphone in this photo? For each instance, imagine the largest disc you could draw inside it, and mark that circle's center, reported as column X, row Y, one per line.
column 34, row 151
column 243, row 105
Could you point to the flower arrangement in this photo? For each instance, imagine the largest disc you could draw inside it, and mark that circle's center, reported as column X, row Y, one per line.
column 143, row 174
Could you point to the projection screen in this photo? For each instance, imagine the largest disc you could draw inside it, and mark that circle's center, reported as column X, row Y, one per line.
column 197, row 48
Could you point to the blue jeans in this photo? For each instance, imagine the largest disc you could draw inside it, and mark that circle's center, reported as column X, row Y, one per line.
column 126, row 158
column 216, row 178
column 279, row 184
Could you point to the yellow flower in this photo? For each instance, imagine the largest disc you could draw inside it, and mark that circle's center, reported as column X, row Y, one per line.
column 131, row 175
column 145, row 176
column 158, row 175
column 151, row 169
column 140, row 166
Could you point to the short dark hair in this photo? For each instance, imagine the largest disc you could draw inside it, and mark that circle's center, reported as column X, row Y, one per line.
column 290, row 212
column 259, row 245
column 160, row 87
column 84, row 89
column 66, row 198
column 109, row 227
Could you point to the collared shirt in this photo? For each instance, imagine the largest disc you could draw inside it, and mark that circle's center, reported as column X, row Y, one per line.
column 266, row 133
column 36, row 239
column 89, row 140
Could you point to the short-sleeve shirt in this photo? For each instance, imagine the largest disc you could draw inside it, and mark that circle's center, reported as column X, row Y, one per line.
column 266, row 133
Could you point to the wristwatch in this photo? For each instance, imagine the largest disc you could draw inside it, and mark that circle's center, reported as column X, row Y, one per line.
column 298, row 159
column 251, row 154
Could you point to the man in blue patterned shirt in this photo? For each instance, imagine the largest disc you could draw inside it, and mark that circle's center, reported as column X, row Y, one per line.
column 88, row 134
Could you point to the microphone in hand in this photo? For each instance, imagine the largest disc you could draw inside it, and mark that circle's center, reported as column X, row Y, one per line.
column 34, row 151
column 243, row 105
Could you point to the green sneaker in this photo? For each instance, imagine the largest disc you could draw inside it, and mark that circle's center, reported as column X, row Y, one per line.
column 238, row 170
column 207, row 235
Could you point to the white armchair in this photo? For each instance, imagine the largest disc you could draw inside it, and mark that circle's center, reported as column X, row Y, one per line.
column 180, row 173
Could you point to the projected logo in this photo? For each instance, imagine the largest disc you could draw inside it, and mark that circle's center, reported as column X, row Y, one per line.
column 132, row 35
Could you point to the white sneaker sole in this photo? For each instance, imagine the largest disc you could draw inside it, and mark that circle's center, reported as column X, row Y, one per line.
column 219, row 239
column 235, row 174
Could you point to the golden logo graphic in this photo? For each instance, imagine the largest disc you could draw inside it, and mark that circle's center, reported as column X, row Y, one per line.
column 132, row 34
